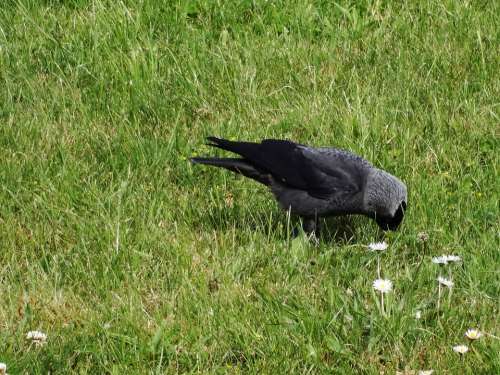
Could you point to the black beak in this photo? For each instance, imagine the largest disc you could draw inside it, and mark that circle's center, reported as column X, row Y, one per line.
column 392, row 223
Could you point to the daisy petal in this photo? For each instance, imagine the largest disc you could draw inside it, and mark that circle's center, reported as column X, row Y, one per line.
column 461, row 349
column 473, row 334
column 378, row 246
column 452, row 258
column 445, row 282
column 382, row 285
column 440, row 260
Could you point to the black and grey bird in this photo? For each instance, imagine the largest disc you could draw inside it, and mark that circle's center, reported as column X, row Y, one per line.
column 316, row 182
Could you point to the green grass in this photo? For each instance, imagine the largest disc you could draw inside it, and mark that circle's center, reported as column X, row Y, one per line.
column 134, row 261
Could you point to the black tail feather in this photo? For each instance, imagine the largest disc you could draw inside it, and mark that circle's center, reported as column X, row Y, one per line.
column 245, row 149
column 235, row 165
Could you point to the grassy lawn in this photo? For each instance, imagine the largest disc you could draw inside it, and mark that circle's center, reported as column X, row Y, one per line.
column 131, row 260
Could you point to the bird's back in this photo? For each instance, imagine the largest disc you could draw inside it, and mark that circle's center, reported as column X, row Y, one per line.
column 345, row 179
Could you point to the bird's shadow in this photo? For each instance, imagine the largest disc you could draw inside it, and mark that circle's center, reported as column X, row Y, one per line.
column 338, row 230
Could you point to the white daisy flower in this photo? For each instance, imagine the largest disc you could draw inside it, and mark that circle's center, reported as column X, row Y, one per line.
column 461, row 349
column 39, row 338
column 443, row 259
column 382, row 285
column 36, row 335
column 3, row 368
column 473, row 334
column 418, row 314
column 452, row 258
column 445, row 282
column 378, row 246
column 425, row 372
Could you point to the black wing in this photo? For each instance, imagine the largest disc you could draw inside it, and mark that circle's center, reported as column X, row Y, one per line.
column 320, row 174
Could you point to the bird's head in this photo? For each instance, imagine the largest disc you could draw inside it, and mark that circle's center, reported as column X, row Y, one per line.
column 385, row 199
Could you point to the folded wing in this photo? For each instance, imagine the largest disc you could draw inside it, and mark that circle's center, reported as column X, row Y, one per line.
column 321, row 174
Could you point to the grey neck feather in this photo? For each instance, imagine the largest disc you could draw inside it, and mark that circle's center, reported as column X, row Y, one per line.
column 383, row 193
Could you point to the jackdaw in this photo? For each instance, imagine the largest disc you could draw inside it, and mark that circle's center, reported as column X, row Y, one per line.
column 316, row 182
